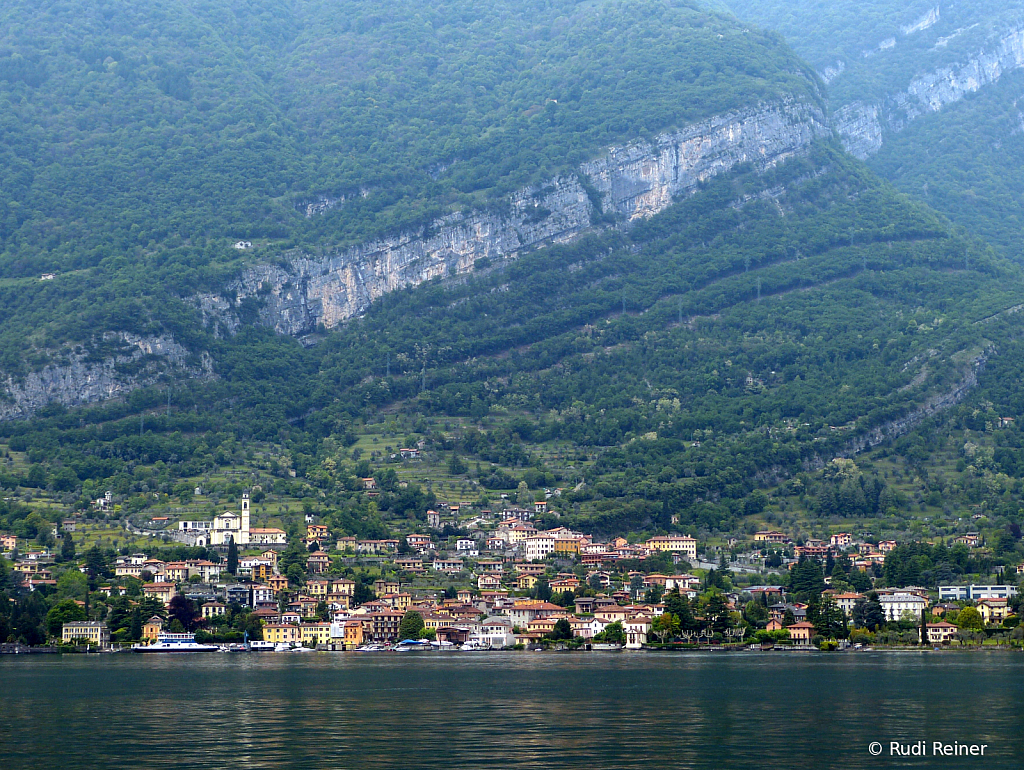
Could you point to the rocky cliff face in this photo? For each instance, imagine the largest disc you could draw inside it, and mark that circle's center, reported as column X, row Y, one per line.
column 631, row 182
column 863, row 126
column 79, row 380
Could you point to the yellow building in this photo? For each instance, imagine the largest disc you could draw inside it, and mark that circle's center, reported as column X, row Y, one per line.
column 994, row 610
column 674, row 544
column 567, row 545
column 400, row 601
column 152, row 627
column 214, row 609
column 437, row 620
column 278, row 583
column 526, row 582
column 91, row 632
column 318, row 588
column 315, row 633
column 280, row 633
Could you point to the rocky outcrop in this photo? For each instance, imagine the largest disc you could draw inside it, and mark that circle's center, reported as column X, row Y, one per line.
column 937, row 403
column 625, row 184
column 84, row 379
column 862, row 127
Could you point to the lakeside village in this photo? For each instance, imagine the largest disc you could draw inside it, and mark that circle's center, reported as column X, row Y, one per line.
column 485, row 580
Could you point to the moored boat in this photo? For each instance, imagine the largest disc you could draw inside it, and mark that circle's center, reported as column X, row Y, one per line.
column 175, row 643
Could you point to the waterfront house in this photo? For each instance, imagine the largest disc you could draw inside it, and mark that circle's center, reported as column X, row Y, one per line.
column 152, row 627
column 282, row 633
column 895, row 604
column 847, row 601
column 801, row 633
column 315, row 633
column 91, row 632
column 636, row 630
column 496, row 632
column 941, row 632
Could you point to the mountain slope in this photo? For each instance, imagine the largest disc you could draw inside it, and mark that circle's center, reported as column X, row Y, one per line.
column 928, row 92
column 140, row 142
column 665, row 298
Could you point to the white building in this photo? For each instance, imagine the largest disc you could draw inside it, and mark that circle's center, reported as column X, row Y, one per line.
column 495, row 632
column 636, row 632
column 973, row 593
column 538, row 547
column 223, row 529
column 895, row 604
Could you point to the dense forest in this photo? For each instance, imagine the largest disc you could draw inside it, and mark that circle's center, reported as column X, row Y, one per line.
column 709, row 369
column 139, row 141
column 963, row 160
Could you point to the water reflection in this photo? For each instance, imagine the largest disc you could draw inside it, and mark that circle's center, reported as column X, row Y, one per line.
column 505, row 710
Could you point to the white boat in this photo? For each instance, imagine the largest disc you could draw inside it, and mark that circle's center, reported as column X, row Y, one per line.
column 412, row 645
column 176, row 643
column 262, row 646
column 282, row 647
column 369, row 648
column 474, row 645
column 443, row 645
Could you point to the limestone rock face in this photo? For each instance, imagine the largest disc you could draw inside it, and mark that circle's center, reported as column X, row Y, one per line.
column 631, row 182
column 298, row 292
column 862, row 126
column 80, row 380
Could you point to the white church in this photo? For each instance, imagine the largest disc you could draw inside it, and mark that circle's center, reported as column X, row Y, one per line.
column 230, row 526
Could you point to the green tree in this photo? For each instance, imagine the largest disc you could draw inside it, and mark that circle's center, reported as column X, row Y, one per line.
column 806, row 579
column 456, row 467
column 613, row 633
column 561, row 631
column 716, row 613
column 296, row 575
column 72, row 584
column 542, row 590
column 523, row 496
column 869, row 615
column 665, row 626
column 64, row 611
column 135, row 629
column 970, row 619
column 411, row 625
column 232, row 557
column 67, row 548
column 828, row 619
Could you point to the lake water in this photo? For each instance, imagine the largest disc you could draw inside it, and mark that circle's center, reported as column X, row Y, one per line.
column 507, row 710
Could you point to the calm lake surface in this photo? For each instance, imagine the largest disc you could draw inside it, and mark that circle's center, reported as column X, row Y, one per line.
column 507, row 710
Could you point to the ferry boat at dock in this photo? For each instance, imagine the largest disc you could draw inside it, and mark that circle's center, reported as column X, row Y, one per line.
column 175, row 643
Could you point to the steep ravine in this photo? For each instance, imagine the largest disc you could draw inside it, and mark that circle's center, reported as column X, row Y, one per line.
column 630, row 182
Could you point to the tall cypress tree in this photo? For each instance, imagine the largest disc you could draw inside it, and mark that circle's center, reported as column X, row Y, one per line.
column 67, row 548
column 232, row 557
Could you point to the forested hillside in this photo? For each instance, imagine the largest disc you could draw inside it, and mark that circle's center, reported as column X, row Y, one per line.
column 930, row 90
column 667, row 377
column 706, row 367
column 139, row 141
